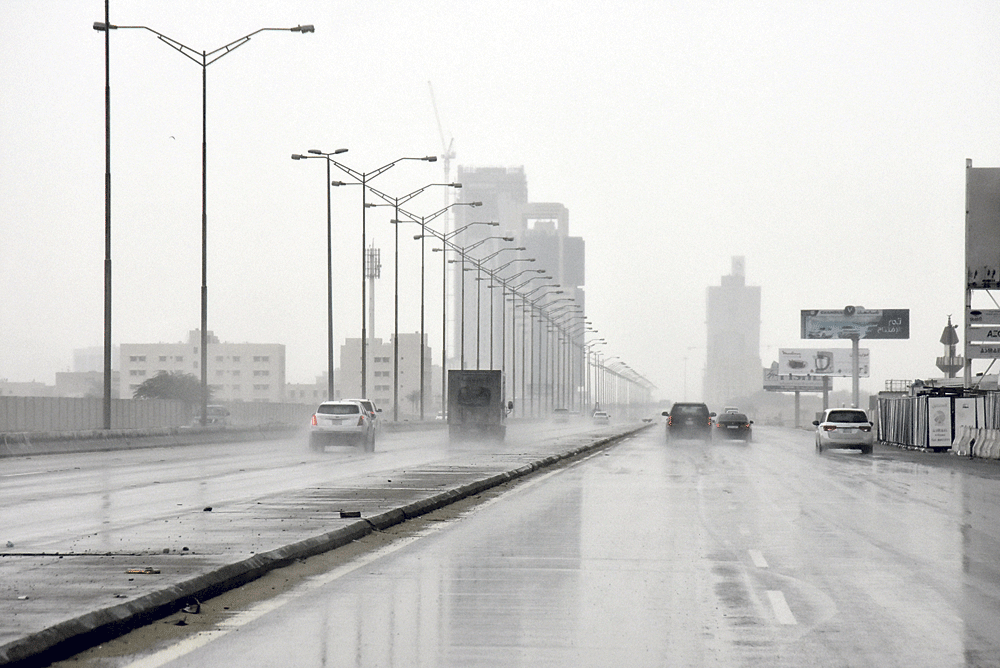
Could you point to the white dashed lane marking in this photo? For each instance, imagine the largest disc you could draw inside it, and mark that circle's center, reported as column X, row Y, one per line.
column 781, row 610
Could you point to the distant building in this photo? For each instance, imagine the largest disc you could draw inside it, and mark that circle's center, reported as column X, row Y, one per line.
column 85, row 384
column 311, row 393
column 380, row 374
column 236, row 371
column 26, row 389
column 732, row 363
column 542, row 229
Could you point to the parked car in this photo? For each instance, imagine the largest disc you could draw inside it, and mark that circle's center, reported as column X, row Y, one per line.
column 215, row 415
column 844, row 428
column 733, row 425
column 560, row 415
column 689, row 420
column 345, row 422
column 602, row 417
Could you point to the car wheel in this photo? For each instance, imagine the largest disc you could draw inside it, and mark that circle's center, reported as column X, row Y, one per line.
column 819, row 446
column 370, row 443
column 866, row 449
column 316, row 443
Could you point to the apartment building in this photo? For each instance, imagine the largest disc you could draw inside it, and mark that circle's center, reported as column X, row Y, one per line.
column 236, row 371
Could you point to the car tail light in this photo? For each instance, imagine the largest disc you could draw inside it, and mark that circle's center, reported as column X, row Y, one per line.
column 361, row 421
column 866, row 428
column 314, row 420
column 670, row 420
column 717, row 424
column 829, row 427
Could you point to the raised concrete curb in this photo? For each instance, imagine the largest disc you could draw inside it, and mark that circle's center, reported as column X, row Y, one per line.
column 386, row 506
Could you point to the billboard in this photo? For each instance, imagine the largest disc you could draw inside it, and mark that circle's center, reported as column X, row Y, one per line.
column 982, row 227
column 856, row 322
column 822, row 362
column 777, row 382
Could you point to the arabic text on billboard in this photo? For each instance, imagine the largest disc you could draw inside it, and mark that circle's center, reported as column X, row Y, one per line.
column 856, row 323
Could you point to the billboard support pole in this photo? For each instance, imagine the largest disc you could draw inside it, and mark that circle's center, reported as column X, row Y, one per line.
column 826, row 392
column 967, row 372
column 855, row 372
column 797, row 423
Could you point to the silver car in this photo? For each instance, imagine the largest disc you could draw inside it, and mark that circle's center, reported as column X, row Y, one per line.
column 844, row 428
column 346, row 422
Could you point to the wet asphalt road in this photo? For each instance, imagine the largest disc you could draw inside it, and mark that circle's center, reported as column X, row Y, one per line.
column 648, row 554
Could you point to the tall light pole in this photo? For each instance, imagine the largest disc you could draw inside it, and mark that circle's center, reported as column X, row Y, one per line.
column 107, row 211
column 363, row 178
column 203, row 58
column 422, row 221
column 464, row 251
column 396, row 202
column 330, row 395
column 479, row 309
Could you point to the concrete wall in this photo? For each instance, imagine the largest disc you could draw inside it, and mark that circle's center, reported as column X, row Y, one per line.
column 57, row 414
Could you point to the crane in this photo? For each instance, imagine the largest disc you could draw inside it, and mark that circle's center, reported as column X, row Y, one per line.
column 447, row 146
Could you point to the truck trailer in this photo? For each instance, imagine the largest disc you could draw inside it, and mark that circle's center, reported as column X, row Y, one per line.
column 477, row 407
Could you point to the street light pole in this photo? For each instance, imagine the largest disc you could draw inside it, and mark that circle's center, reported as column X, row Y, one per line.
column 396, row 202
column 363, row 178
column 330, row 391
column 203, row 58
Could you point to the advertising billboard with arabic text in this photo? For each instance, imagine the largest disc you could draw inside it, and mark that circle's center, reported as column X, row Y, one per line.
column 861, row 323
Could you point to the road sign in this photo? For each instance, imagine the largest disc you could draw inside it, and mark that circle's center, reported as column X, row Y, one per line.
column 981, row 317
column 983, row 334
column 983, row 351
column 856, row 322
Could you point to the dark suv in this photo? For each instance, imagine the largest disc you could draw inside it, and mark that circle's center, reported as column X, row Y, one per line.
column 689, row 421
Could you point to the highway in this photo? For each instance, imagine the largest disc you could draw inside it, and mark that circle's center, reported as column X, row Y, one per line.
column 640, row 554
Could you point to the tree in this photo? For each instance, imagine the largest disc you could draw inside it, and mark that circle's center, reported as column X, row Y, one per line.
column 178, row 386
column 414, row 399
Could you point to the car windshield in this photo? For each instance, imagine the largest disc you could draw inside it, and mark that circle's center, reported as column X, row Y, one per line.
column 339, row 409
column 847, row 416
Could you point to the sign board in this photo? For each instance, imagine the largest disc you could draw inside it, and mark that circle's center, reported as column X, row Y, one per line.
column 982, row 317
column 970, row 412
column 982, row 227
column 776, row 382
column 822, row 362
column 856, row 322
column 939, row 422
column 983, row 334
column 983, row 351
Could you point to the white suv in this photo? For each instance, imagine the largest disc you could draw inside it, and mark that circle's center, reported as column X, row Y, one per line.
column 844, row 428
column 342, row 422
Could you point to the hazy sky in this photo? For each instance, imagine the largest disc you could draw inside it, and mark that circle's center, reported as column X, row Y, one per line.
column 824, row 141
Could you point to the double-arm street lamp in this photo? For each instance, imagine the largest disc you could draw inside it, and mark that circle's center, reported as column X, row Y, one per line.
column 423, row 221
column 464, row 251
column 329, row 277
column 363, row 178
column 479, row 310
column 396, row 202
column 203, row 58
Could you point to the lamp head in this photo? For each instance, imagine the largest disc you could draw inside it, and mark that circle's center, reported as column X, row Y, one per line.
column 430, row 158
column 296, row 156
column 315, row 151
column 339, row 151
column 455, row 185
column 304, row 29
